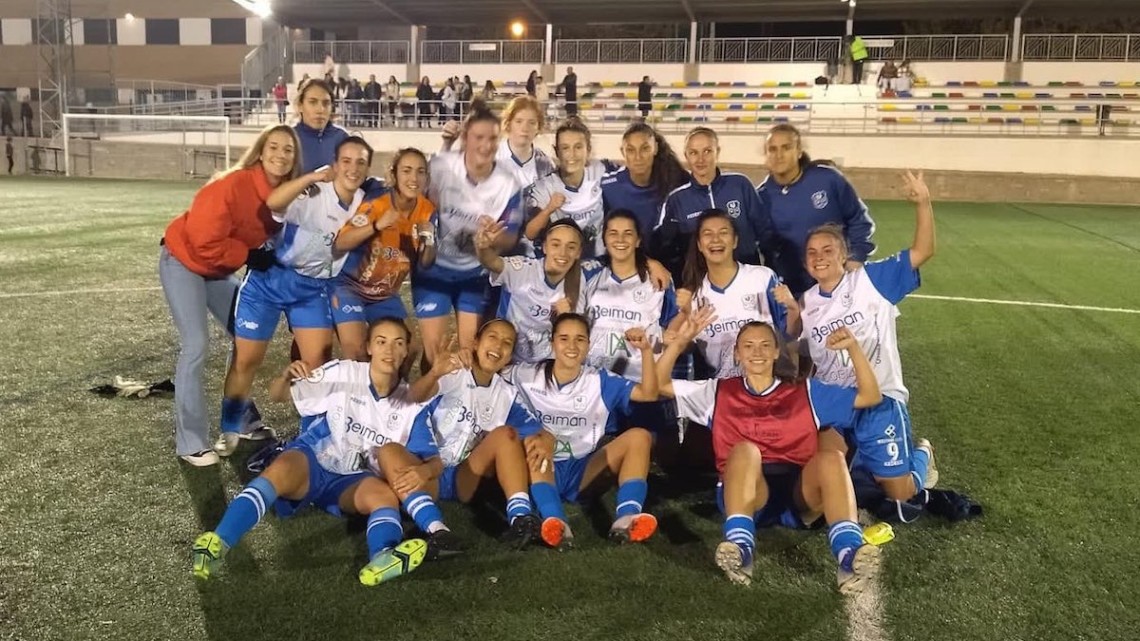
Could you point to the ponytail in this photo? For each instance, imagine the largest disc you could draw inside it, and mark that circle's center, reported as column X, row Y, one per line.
column 667, row 171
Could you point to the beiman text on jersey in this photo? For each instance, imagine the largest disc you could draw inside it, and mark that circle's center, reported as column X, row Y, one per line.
column 614, row 306
column 747, row 297
column 305, row 242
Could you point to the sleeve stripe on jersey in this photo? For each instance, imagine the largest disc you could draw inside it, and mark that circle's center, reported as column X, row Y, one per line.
column 665, row 204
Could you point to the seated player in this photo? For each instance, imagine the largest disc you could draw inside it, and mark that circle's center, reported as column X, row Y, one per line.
column 864, row 301
column 387, row 239
column 333, row 464
column 764, row 429
column 478, row 419
column 578, row 405
column 535, row 289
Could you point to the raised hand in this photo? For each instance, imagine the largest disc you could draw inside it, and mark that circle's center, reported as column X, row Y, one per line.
column 783, row 296
column 488, row 234
column 450, row 131
column 323, row 174
column 693, row 324
column 915, row 187
column 841, row 339
column 561, row 306
column 387, row 220
column 447, row 359
column 556, row 201
column 636, row 338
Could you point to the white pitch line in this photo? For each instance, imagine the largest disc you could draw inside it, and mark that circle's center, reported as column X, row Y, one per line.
column 75, row 292
column 865, row 615
column 1027, row 303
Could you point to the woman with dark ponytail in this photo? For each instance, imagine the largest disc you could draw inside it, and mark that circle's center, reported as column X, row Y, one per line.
column 651, row 171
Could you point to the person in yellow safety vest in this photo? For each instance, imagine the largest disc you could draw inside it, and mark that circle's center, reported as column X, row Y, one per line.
column 858, row 56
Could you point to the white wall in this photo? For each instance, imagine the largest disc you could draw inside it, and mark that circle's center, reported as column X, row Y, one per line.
column 481, row 73
column 938, row 73
column 662, row 74
column 1089, row 73
column 758, row 72
column 359, row 70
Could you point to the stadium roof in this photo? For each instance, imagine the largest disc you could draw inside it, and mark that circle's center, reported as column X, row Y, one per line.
column 493, row 12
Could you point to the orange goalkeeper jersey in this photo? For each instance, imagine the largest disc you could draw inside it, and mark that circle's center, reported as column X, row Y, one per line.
column 377, row 268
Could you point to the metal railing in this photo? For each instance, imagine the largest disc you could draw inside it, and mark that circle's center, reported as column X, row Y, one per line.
column 644, row 50
column 481, row 51
column 352, row 51
column 953, row 47
column 769, row 49
column 1081, row 46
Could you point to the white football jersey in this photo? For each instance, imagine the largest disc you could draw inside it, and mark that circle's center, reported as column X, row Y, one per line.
column 578, row 413
column 356, row 419
column 463, row 204
column 465, row 412
column 863, row 302
column 583, row 204
column 527, row 302
column 614, row 306
column 525, row 172
column 305, row 242
column 747, row 298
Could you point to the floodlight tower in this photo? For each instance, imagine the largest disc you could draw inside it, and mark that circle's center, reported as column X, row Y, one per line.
column 55, row 66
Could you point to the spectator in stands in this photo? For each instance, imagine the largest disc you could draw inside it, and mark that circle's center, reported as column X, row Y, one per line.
column 645, row 96
column 570, row 91
column 354, row 99
column 906, row 77
column 859, row 54
column 372, row 93
column 6, row 117
column 466, row 92
column 318, row 134
column 281, row 96
column 488, row 92
column 888, row 78
column 26, row 116
column 227, row 223
column 330, row 65
column 302, row 81
column 531, row 81
column 449, row 101
column 542, row 94
column 425, row 99
column 799, row 196
column 392, row 90
column 10, row 153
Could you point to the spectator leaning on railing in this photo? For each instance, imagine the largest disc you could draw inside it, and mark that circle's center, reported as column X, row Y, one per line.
column 372, row 93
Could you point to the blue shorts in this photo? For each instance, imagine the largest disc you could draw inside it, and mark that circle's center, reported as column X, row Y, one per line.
column 781, row 507
column 435, row 297
column 447, row 488
column 568, row 477
column 883, row 439
column 349, row 307
column 265, row 295
column 325, row 487
column 655, row 416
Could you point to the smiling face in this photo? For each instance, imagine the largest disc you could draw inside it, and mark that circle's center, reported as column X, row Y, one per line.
column 573, row 149
column 638, row 150
column 522, row 128
column 570, row 341
column 621, row 239
column 481, row 141
column 494, row 346
column 352, row 164
column 388, row 347
column 757, row 350
column 702, row 152
column 825, row 256
column 410, row 175
column 316, row 107
column 563, row 248
column 716, row 240
column 278, row 155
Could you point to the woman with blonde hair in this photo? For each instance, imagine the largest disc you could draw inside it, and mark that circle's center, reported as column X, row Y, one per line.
column 223, row 229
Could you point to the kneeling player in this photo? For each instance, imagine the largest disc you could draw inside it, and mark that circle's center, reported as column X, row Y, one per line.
column 332, row 465
column 764, row 429
column 578, row 405
column 477, row 420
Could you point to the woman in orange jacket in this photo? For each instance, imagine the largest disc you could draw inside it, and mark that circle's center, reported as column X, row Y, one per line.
column 224, row 228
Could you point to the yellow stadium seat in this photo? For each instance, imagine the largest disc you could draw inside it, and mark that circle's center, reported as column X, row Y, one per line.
column 800, row 95
column 888, row 107
column 987, row 83
column 720, row 106
column 679, row 85
column 608, row 83
column 769, row 83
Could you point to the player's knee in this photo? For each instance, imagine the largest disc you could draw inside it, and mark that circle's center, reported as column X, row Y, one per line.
column 504, row 434
column 830, row 461
column 638, row 438
column 745, row 452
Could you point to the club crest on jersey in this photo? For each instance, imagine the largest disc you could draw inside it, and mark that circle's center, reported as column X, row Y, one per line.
column 359, row 220
column 819, row 199
column 733, row 208
column 516, row 262
column 750, row 301
column 846, row 300
column 485, row 414
column 640, row 295
column 580, row 403
column 316, row 376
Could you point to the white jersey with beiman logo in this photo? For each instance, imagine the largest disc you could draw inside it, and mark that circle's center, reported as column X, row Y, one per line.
column 525, row 172
column 583, row 204
column 462, row 204
column 863, row 302
column 614, row 306
column 747, row 298
column 305, row 242
column 465, row 412
column 356, row 418
column 527, row 302
column 578, row 413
